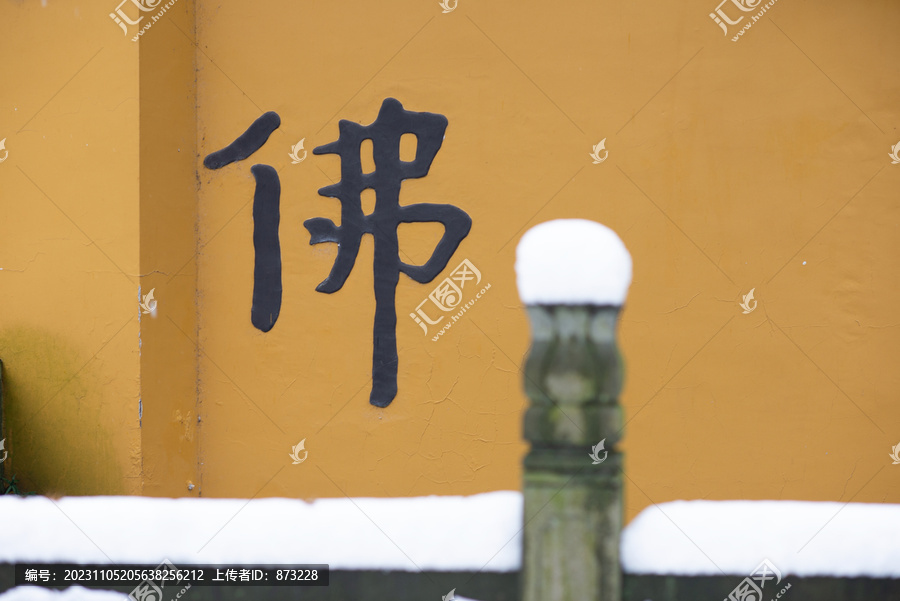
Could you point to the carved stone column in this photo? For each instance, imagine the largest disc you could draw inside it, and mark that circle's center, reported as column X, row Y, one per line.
column 573, row 377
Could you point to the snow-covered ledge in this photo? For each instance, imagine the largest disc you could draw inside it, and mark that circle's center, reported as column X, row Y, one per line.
column 446, row 534
column 801, row 538
column 73, row 593
column 412, row 534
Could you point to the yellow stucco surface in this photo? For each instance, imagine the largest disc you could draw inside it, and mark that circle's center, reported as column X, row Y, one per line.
column 758, row 164
column 69, row 246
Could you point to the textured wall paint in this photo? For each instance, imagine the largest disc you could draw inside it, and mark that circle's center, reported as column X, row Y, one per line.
column 168, row 119
column 60, row 433
column 69, row 249
column 714, row 180
column 730, row 165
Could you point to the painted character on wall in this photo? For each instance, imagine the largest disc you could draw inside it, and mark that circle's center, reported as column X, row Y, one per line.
column 385, row 132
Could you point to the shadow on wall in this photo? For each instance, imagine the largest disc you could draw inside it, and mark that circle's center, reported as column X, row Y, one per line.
column 52, row 404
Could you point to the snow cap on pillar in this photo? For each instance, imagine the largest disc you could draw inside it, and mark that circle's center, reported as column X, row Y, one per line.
column 572, row 262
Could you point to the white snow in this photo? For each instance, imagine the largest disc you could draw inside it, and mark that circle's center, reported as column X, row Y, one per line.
column 802, row 538
column 73, row 593
column 479, row 532
column 420, row 533
column 79, row 593
column 570, row 262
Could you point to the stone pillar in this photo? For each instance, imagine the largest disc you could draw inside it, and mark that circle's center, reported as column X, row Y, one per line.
column 573, row 377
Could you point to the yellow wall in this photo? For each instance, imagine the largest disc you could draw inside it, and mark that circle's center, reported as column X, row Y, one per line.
column 730, row 164
column 69, row 249
column 168, row 256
